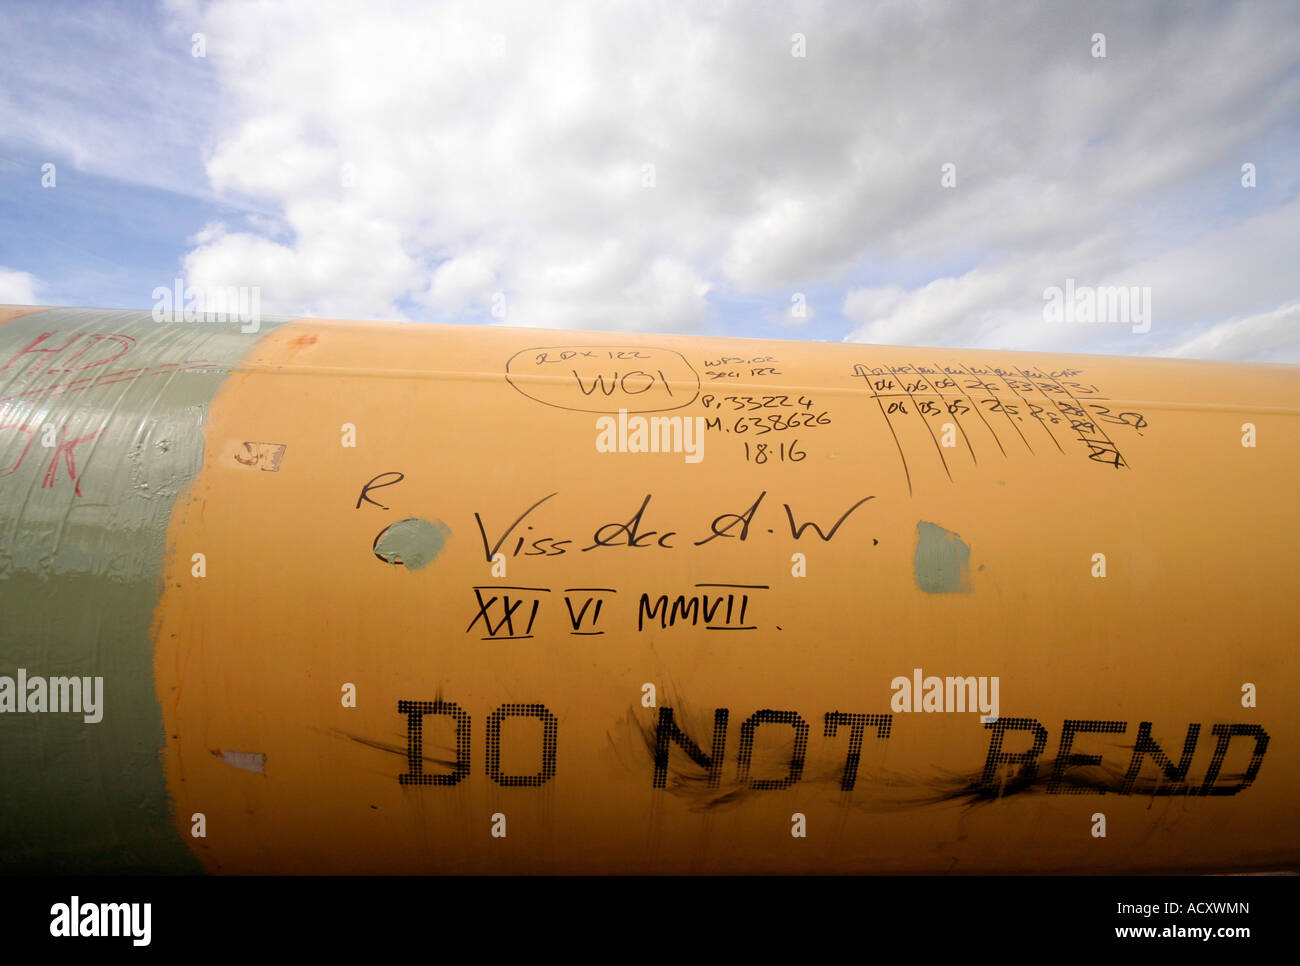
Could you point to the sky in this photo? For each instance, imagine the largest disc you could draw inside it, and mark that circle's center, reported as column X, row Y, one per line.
column 920, row 173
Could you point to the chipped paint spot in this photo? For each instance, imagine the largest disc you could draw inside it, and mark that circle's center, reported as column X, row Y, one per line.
column 412, row 542
column 942, row 561
column 265, row 455
column 247, row 760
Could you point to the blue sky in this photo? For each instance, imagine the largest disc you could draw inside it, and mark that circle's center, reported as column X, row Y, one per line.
column 622, row 167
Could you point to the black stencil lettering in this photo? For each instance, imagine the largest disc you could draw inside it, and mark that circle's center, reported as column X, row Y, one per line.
column 1028, row 760
column 1225, row 734
column 668, row 732
column 415, row 712
column 768, row 716
column 1065, row 759
column 1146, row 746
column 550, row 743
column 858, row 724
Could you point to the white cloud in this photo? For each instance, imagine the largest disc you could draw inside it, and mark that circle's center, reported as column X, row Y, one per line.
column 611, row 288
column 1272, row 336
column 995, row 305
column 1249, row 265
column 462, row 281
column 504, row 147
column 346, row 264
column 18, row 288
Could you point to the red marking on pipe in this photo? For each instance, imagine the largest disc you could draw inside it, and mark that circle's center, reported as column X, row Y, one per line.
column 108, row 378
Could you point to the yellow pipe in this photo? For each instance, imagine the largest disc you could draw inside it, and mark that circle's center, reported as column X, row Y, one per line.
column 771, row 647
